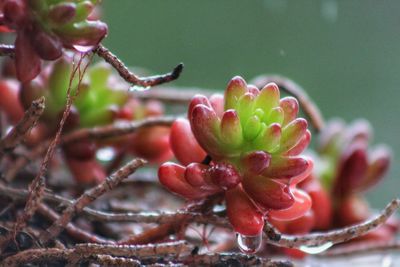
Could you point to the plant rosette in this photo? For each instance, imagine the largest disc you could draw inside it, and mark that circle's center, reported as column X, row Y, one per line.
column 44, row 27
column 246, row 144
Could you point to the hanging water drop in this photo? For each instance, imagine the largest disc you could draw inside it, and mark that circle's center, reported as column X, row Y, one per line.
column 249, row 244
column 83, row 48
column 316, row 249
column 138, row 88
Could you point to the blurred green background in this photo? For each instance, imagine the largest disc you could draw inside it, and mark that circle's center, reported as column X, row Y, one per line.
column 346, row 54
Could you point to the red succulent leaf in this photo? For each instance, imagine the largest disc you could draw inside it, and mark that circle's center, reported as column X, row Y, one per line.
column 217, row 103
column 352, row 169
column 27, row 61
column 224, row 175
column 47, row 46
column 287, row 167
column 379, row 162
column 290, row 108
column 301, row 145
column 197, row 100
column 184, row 144
column 321, row 204
column 255, row 162
column 302, row 204
column 206, row 128
column 172, row 176
column 197, row 175
column 267, row 193
column 242, row 213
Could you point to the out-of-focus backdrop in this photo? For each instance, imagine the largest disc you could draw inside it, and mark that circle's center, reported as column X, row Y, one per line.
column 346, row 54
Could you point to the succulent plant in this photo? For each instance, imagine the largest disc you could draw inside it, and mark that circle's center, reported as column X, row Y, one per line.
column 44, row 27
column 99, row 100
column 351, row 167
column 253, row 140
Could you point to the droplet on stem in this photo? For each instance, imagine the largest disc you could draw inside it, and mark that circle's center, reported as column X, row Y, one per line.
column 249, row 244
column 139, row 88
column 316, row 249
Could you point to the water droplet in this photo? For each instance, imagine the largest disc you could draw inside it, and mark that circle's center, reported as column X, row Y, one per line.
column 218, row 208
column 249, row 244
column 105, row 154
column 83, row 48
column 139, row 88
column 316, row 249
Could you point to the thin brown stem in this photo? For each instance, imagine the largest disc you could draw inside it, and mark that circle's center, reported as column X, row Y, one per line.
column 75, row 232
column 37, row 186
column 18, row 132
column 89, row 196
column 310, row 109
column 331, row 237
column 130, row 77
column 87, row 251
column 175, row 95
column 115, row 130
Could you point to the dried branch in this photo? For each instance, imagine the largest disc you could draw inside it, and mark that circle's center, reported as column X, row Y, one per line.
column 23, row 160
column 233, row 259
column 89, row 196
column 160, row 232
column 130, row 77
column 172, row 94
column 330, row 237
column 115, row 130
column 139, row 217
column 37, row 186
column 142, row 251
column 7, row 50
column 107, row 260
column 309, row 107
column 71, row 229
column 87, row 251
column 18, row 132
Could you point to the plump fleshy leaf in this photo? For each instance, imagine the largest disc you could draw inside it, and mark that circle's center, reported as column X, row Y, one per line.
column 27, row 61
column 252, row 128
column 301, row 145
column 184, row 144
column 269, row 139
column 290, row 108
column 255, row 162
column 267, row 193
column 292, row 134
column 242, row 214
column 231, row 129
column 286, row 167
column 302, row 204
column 236, row 88
column 172, row 176
column 268, row 98
column 206, row 128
